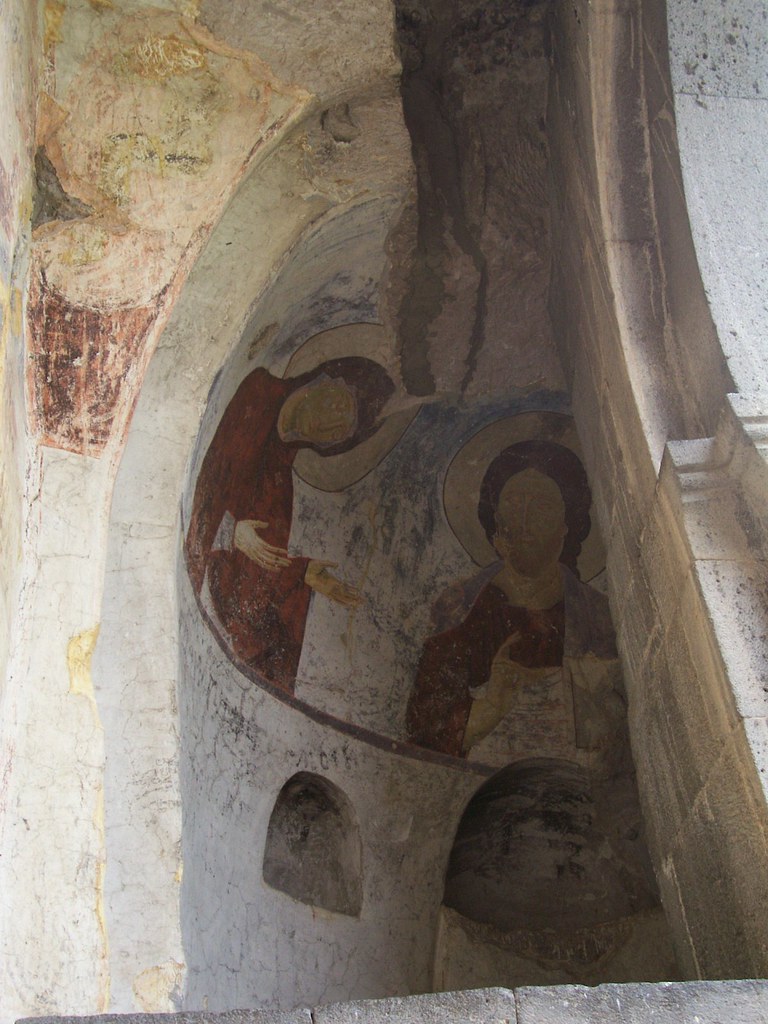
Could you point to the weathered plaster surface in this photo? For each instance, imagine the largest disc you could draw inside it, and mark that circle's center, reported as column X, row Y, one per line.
column 101, row 274
column 283, row 952
column 283, row 215
column 150, row 121
column 19, row 36
column 337, row 49
column 155, row 119
column 54, row 843
column 144, row 549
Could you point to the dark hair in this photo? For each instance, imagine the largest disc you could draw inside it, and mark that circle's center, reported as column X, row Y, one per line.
column 372, row 387
column 562, row 466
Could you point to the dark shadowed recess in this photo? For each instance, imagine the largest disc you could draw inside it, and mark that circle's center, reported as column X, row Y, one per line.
column 534, row 850
column 313, row 846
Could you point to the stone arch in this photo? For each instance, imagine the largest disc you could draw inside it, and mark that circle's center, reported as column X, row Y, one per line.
column 147, row 729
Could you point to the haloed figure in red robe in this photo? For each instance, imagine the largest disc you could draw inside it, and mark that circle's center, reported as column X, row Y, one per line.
column 531, row 617
column 237, row 543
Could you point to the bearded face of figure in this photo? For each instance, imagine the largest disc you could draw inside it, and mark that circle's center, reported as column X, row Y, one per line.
column 530, row 523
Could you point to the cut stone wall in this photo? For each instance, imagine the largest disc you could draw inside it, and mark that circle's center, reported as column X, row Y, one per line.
column 685, row 548
column 670, row 1003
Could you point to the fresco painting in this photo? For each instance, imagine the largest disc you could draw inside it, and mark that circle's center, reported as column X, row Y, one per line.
column 498, row 681
column 237, row 544
column 486, row 645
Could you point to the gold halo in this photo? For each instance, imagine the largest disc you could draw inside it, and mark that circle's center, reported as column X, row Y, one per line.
column 461, row 490
column 371, row 341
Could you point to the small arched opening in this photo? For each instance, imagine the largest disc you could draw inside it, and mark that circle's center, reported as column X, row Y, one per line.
column 313, row 846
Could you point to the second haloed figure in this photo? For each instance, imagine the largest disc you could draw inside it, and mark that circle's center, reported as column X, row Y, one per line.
column 503, row 681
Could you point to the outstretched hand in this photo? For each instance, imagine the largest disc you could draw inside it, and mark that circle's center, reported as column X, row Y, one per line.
column 318, row 578
column 248, row 541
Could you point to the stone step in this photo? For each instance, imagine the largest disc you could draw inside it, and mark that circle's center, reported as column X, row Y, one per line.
column 690, row 1002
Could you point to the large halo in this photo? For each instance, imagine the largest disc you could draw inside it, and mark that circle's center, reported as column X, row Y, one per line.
column 373, row 341
column 461, row 491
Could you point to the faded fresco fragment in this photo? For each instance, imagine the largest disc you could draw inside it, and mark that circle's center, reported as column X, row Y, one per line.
column 80, row 370
column 458, row 618
column 141, row 144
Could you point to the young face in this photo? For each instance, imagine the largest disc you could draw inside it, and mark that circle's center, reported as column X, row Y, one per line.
column 322, row 413
column 530, row 523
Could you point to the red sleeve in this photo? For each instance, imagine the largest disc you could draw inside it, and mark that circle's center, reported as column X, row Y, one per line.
column 439, row 705
column 451, row 663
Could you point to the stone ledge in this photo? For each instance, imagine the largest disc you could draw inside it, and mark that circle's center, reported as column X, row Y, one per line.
column 192, row 1017
column 684, row 1002
column 673, row 1002
column 475, row 1006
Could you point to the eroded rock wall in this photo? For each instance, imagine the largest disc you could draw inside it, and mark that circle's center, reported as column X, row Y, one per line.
column 472, row 318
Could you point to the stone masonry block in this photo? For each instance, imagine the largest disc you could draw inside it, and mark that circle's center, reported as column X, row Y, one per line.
column 705, row 500
column 228, row 1017
column 724, row 173
column 715, row 48
column 656, row 72
column 570, row 39
column 476, row 1006
column 756, row 734
column 640, row 312
column 714, row 866
column 666, row 787
column 701, row 1002
column 624, row 576
column 634, row 477
column 728, row 829
column 637, row 620
column 733, row 610
column 665, row 557
column 680, row 728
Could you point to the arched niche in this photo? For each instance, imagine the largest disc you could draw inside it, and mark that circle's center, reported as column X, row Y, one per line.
column 547, row 882
column 313, row 850
column 533, row 850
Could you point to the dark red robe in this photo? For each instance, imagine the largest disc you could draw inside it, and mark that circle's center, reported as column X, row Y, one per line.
column 247, row 472
column 459, row 659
